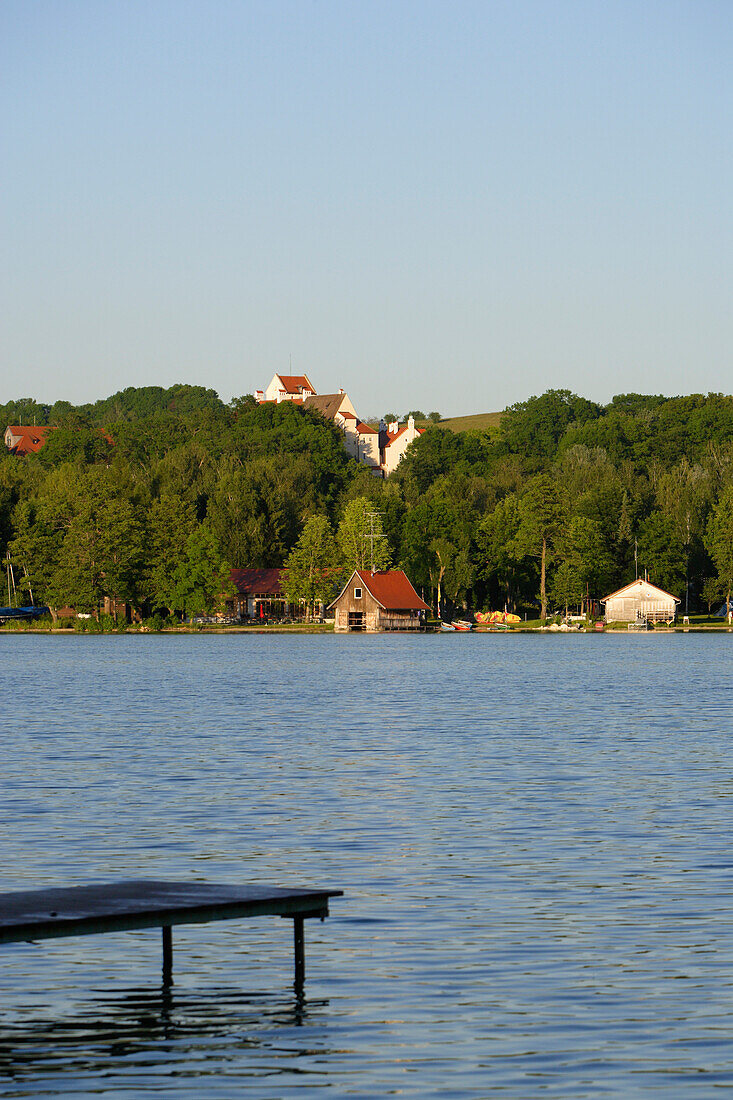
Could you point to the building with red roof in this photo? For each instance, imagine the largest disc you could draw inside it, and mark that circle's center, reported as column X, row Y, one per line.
column 22, row 440
column 381, row 450
column 287, row 387
column 394, row 439
column 259, row 594
column 378, row 601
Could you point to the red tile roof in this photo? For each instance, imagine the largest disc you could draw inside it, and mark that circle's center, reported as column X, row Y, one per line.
column 365, row 429
column 258, row 582
column 391, row 437
column 30, row 439
column 391, row 589
column 295, row 383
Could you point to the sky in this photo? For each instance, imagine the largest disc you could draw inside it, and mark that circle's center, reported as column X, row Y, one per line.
column 442, row 206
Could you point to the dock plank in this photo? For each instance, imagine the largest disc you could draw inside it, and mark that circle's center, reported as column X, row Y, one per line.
column 145, row 903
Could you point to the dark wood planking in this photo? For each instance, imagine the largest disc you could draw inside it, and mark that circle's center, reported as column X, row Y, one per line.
column 123, row 906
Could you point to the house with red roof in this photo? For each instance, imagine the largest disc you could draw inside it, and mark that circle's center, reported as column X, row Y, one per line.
column 287, row 387
column 378, row 601
column 394, row 439
column 22, row 440
column 381, row 450
column 259, row 594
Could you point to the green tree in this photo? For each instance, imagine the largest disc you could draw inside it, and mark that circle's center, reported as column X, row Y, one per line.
column 582, row 547
column 312, row 571
column 171, row 520
column 719, row 539
column 712, row 591
column 541, row 516
column 567, row 587
column 202, row 578
column 497, row 545
column 662, row 552
column 361, row 537
column 536, row 426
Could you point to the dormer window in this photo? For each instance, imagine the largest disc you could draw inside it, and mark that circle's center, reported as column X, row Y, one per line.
column 357, row 593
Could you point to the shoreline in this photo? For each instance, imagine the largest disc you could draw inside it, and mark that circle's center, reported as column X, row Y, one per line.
column 321, row 628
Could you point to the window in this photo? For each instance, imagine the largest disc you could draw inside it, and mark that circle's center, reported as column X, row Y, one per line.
column 357, row 593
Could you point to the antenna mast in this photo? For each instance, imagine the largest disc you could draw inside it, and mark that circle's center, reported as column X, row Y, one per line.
column 372, row 534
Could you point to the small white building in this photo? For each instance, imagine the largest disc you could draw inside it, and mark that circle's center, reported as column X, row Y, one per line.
column 639, row 601
column 394, row 439
column 286, row 387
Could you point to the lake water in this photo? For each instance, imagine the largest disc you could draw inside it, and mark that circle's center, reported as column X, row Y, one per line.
column 532, row 833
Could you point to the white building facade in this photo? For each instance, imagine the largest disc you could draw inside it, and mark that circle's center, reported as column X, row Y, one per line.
column 638, row 601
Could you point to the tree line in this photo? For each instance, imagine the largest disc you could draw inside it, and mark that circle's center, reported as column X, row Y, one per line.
column 152, row 496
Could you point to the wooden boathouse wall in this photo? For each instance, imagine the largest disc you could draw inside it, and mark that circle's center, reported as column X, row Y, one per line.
column 357, row 612
column 373, row 602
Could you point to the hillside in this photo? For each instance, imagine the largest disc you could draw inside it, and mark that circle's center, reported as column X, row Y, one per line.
column 477, row 422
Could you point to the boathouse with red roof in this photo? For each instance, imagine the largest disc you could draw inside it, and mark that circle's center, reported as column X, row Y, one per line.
column 378, row 601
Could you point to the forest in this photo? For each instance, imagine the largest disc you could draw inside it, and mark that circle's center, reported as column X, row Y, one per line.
column 152, row 495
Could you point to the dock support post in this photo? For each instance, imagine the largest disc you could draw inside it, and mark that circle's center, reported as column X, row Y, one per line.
column 299, row 945
column 167, row 955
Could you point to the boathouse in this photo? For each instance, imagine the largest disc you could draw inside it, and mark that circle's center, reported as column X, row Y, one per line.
column 640, row 601
column 378, row 601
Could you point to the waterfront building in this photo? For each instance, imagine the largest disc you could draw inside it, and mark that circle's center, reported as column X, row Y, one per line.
column 640, row 601
column 378, row 601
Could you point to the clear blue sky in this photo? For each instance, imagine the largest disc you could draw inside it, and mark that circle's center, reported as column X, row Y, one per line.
column 437, row 205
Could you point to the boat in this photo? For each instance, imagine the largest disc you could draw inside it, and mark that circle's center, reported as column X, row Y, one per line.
column 497, row 618
column 461, row 624
column 447, row 626
column 19, row 614
column 24, row 614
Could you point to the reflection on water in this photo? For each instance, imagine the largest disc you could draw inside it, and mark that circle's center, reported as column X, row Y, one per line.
column 156, row 1033
column 532, row 835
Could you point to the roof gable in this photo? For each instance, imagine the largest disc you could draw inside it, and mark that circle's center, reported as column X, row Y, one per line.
column 391, row 589
column 327, row 404
column 295, row 383
column 392, row 438
column 643, row 588
column 26, row 439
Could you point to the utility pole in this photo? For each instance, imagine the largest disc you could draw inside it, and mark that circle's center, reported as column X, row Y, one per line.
column 372, row 534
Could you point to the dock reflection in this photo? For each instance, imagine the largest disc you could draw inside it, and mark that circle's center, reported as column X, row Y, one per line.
column 156, row 1032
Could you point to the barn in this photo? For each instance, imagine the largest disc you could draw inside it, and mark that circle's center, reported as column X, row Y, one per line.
column 640, row 601
column 378, row 601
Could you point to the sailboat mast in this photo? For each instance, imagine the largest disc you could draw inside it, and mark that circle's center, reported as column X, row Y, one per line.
column 29, row 585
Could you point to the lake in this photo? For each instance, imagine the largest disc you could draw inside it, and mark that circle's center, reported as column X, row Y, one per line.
column 532, row 834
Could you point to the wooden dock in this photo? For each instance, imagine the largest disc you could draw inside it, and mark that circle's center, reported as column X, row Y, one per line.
column 30, row 915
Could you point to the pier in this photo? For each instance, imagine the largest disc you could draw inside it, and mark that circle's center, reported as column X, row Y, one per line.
column 31, row 915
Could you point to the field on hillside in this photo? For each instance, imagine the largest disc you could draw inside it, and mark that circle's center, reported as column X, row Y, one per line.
column 478, row 422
